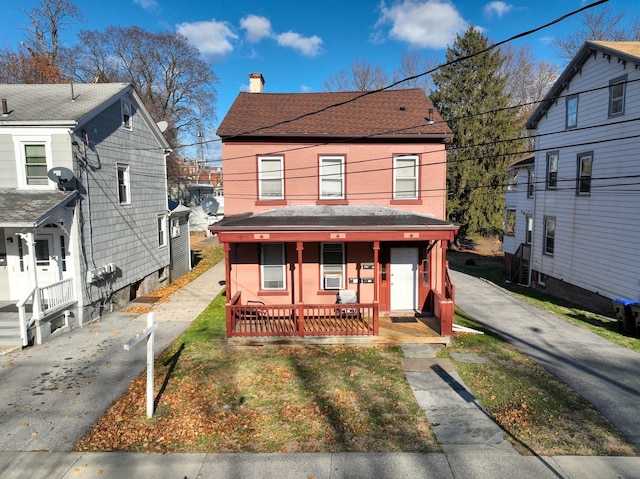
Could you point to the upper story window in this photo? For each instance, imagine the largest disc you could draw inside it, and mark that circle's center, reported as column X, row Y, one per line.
column 331, row 177
column 127, row 113
column 552, row 170
column 572, row 111
column 531, row 185
column 617, row 92
column 270, row 178
column 35, row 160
column 585, row 164
column 124, row 186
column 512, row 180
column 405, row 177
column 272, row 266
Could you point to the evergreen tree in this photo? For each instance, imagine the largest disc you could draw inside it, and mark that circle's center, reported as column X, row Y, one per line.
column 472, row 96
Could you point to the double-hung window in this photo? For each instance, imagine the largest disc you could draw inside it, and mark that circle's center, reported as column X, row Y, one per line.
column 127, row 113
column 162, row 230
column 270, row 178
column 585, row 165
column 617, row 92
column 531, row 185
column 331, row 177
column 124, row 186
column 572, row 111
column 552, row 170
column 272, row 266
column 529, row 234
column 549, row 235
column 332, row 266
column 405, row 177
column 35, row 159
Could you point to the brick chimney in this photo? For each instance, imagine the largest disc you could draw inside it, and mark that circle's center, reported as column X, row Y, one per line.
column 256, row 83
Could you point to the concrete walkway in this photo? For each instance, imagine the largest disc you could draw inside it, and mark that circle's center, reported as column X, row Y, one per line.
column 605, row 374
column 50, row 396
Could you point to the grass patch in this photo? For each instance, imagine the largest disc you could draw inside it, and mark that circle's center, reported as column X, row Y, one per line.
column 539, row 413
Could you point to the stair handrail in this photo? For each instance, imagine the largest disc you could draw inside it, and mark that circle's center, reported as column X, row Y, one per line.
column 22, row 316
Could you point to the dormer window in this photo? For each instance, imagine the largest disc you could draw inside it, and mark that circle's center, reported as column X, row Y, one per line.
column 35, row 159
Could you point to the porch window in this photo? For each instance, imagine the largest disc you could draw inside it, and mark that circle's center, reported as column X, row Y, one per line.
column 617, row 92
column 552, row 170
column 270, row 178
column 332, row 267
column 331, row 177
column 123, row 184
column 585, row 163
column 405, row 173
column 572, row 111
column 63, row 253
column 35, row 158
column 162, row 231
column 272, row 266
column 42, row 252
column 549, row 235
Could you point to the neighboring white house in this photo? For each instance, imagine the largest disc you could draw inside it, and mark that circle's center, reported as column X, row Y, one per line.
column 83, row 202
column 518, row 231
column 587, row 170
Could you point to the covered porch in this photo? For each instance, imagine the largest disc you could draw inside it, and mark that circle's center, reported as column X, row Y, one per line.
column 311, row 308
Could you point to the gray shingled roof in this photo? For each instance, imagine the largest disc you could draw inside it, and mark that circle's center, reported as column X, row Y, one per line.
column 323, row 217
column 29, row 209
column 55, row 104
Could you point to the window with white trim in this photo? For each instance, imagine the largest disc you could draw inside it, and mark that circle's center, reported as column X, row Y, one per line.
column 585, row 165
column 405, row 177
column 552, row 170
column 331, row 177
column 529, row 234
column 270, row 178
column 127, row 113
column 124, row 186
column 332, row 266
column 531, row 186
column 35, row 163
column 175, row 227
column 549, row 235
column 162, row 230
column 272, row 266
column 617, row 93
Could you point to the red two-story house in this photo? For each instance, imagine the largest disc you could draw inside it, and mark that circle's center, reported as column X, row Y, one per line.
column 334, row 198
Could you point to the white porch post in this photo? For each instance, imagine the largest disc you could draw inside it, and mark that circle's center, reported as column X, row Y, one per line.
column 30, row 239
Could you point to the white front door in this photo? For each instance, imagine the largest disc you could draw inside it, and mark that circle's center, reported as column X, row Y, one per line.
column 47, row 267
column 404, row 279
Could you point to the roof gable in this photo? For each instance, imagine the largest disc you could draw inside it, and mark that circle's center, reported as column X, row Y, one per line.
column 625, row 51
column 389, row 114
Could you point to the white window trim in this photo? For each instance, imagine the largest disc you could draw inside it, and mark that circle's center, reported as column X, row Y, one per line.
column 546, row 236
column 19, row 143
column 283, row 269
column 127, row 125
column 260, row 179
column 162, row 230
column 175, row 227
column 326, row 176
column 395, row 177
column 324, row 273
column 127, row 180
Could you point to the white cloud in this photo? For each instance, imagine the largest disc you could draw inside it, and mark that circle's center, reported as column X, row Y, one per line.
column 309, row 46
column 147, row 4
column 497, row 8
column 430, row 24
column 211, row 38
column 256, row 27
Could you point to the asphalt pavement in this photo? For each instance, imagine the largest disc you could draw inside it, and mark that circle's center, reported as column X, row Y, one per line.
column 50, row 395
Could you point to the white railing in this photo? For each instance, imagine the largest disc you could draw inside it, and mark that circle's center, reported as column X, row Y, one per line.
column 46, row 301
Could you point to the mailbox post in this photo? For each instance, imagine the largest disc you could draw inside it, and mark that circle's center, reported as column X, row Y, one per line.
column 146, row 333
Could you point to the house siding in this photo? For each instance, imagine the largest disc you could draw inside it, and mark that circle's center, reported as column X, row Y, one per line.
column 596, row 233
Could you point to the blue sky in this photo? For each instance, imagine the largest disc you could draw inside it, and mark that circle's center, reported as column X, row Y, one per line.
column 297, row 45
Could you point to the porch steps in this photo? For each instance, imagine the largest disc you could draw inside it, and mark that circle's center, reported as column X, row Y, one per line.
column 9, row 331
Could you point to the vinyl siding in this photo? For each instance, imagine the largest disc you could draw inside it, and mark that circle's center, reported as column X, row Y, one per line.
column 596, row 234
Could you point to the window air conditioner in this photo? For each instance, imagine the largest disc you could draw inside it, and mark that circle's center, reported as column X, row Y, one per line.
column 333, row 281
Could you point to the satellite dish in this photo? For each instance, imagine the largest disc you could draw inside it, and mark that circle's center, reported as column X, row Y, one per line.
column 63, row 177
column 163, row 125
column 210, row 206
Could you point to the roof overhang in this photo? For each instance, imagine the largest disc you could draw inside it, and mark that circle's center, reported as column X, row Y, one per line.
column 32, row 209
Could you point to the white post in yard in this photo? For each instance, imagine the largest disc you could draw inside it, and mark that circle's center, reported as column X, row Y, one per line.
column 146, row 333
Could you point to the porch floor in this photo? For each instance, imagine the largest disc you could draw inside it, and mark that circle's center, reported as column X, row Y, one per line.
column 425, row 329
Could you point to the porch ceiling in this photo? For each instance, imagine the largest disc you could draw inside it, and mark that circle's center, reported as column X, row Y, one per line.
column 30, row 209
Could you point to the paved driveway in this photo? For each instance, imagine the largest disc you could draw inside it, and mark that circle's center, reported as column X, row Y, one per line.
column 605, row 374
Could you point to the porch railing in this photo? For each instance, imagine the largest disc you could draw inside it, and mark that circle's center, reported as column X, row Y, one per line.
column 255, row 319
column 46, row 301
